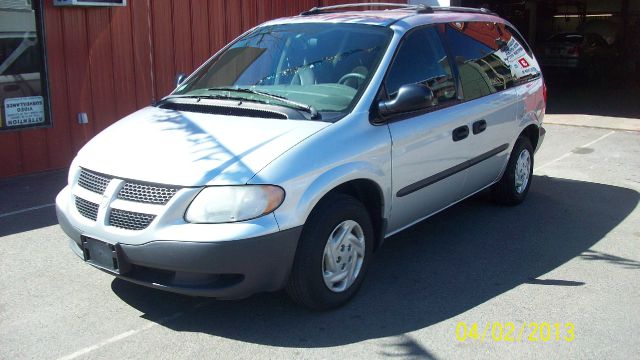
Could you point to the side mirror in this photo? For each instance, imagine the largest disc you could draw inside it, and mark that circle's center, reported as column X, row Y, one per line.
column 180, row 78
column 410, row 97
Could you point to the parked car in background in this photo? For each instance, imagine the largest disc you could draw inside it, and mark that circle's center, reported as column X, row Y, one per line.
column 576, row 51
column 287, row 158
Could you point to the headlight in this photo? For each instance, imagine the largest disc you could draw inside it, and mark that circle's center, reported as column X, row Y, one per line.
column 223, row 204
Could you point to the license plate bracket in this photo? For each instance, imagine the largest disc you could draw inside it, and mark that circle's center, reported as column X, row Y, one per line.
column 101, row 254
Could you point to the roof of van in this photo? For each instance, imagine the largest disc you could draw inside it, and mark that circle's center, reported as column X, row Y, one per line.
column 387, row 17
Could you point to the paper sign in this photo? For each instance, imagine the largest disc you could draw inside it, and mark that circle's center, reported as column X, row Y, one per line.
column 24, row 111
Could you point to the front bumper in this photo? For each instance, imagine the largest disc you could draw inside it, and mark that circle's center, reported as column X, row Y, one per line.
column 228, row 269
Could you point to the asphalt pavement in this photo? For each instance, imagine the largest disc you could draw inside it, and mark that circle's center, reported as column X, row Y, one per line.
column 569, row 255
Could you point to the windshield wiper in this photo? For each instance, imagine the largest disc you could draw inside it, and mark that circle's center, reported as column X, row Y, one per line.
column 294, row 104
column 210, row 96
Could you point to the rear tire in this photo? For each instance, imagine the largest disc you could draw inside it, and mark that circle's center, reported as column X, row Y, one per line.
column 316, row 281
column 514, row 185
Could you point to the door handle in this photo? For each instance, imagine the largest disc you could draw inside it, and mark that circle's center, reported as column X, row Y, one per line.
column 479, row 126
column 460, row 133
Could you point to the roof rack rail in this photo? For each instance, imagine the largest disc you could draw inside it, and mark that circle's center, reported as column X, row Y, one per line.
column 463, row 9
column 318, row 10
column 419, row 8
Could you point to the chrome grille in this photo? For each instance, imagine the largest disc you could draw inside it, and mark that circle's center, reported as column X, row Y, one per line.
column 146, row 193
column 87, row 208
column 129, row 220
column 93, row 182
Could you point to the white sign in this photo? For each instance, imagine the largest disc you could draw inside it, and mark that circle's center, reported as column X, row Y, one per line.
column 24, row 111
column 515, row 54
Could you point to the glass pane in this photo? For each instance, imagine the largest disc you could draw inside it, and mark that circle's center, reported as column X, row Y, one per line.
column 21, row 62
column 489, row 58
column 323, row 65
column 422, row 60
column 523, row 66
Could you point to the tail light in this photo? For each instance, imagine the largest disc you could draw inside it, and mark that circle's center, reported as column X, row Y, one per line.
column 574, row 51
column 544, row 92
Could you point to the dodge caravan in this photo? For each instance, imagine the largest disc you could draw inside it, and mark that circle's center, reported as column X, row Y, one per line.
column 285, row 160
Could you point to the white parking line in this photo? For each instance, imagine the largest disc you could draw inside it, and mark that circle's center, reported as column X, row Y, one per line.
column 127, row 334
column 25, row 210
column 571, row 152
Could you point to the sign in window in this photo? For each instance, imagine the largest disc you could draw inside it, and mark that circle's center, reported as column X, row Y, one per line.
column 23, row 95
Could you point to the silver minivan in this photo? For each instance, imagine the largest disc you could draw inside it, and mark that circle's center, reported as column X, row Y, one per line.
column 286, row 159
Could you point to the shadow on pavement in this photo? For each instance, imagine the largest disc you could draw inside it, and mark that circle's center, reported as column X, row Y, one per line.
column 431, row 272
column 25, row 192
column 31, row 220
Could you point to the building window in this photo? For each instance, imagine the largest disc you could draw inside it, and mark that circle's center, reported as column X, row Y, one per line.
column 23, row 91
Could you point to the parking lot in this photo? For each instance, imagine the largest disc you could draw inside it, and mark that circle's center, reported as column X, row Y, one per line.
column 569, row 254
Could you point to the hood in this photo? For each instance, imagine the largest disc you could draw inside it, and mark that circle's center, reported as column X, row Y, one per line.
column 191, row 149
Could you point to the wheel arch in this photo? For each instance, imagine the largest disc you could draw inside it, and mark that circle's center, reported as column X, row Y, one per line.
column 369, row 193
column 531, row 132
column 359, row 180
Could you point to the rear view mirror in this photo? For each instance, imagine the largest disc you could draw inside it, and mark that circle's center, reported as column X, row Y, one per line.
column 410, row 97
column 180, row 78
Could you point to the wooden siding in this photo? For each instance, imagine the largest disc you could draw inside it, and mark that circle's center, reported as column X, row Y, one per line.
column 110, row 61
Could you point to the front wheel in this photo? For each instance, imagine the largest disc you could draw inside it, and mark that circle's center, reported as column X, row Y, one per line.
column 333, row 254
column 514, row 185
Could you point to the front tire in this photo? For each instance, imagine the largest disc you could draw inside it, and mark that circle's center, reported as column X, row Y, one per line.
column 333, row 254
column 514, row 185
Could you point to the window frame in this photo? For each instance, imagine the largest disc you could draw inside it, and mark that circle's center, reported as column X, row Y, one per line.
column 38, row 7
column 376, row 118
column 516, row 34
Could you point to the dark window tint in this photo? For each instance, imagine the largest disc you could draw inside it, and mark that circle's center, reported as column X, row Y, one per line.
column 476, row 46
column 421, row 59
column 490, row 57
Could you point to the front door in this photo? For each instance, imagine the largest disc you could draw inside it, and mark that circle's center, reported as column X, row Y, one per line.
column 427, row 145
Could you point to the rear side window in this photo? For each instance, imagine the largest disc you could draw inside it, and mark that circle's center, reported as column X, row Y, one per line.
column 524, row 67
column 422, row 59
column 490, row 58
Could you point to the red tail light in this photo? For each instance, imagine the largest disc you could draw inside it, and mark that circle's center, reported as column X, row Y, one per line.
column 544, row 92
column 574, row 51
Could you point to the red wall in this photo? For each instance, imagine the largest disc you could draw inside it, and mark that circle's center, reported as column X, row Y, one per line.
column 109, row 62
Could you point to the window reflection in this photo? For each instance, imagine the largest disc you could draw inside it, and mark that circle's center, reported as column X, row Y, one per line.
column 489, row 57
column 21, row 64
column 421, row 59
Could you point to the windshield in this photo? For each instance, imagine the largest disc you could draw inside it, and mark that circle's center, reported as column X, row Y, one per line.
column 323, row 66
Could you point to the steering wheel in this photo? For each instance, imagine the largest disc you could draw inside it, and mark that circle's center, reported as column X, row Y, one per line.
column 348, row 76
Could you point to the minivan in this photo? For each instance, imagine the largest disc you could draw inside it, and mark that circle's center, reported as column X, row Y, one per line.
column 285, row 160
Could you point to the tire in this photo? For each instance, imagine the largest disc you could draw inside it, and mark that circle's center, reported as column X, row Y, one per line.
column 509, row 191
column 333, row 215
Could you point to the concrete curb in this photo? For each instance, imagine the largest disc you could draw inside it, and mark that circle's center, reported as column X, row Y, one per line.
column 594, row 121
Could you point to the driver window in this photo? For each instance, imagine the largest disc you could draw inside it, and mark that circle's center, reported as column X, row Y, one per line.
column 422, row 60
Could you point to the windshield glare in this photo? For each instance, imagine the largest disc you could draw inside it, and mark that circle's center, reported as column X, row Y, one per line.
column 324, row 65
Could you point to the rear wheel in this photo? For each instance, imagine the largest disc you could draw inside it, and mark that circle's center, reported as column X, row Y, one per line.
column 333, row 254
column 514, row 185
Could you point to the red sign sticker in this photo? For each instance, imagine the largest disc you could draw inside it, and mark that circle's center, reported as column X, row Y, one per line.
column 524, row 62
